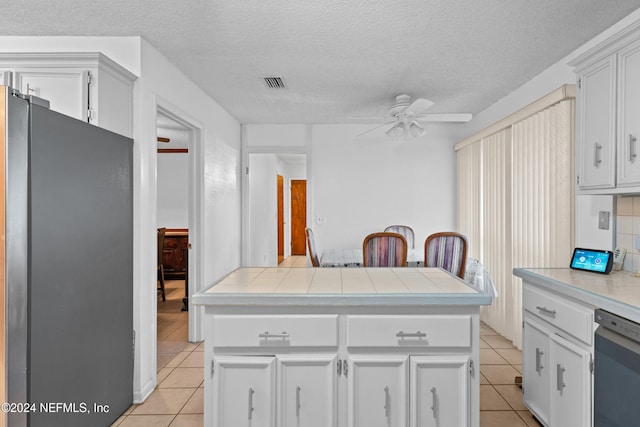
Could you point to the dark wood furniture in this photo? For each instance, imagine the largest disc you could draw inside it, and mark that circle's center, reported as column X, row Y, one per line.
column 176, row 242
column 161, row 235
column 175, row 258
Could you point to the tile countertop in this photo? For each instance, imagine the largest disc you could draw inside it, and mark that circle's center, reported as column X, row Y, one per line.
column 341, row 286
column 617, row 292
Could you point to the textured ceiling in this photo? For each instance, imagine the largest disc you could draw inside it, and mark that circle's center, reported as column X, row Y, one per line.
column 338, row 58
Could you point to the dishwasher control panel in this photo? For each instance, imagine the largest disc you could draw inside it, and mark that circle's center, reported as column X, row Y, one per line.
column 618, row 324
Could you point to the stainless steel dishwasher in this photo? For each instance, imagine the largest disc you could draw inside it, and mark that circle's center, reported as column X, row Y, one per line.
column 616, row 382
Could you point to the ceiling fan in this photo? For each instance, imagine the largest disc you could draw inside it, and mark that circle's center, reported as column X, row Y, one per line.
column 407, row 117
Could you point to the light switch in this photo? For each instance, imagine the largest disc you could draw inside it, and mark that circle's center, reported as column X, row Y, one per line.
column 603, row 220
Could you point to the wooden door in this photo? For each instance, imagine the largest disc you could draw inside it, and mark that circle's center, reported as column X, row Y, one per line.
column 298, row 216
column 280, row 218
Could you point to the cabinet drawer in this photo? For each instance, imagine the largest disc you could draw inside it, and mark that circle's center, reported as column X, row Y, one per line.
column 275, row 330
column 402, row 331
column 571, row 317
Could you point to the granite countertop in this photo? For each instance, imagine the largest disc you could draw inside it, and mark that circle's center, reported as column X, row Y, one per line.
column 617, row 292
column 341, row 286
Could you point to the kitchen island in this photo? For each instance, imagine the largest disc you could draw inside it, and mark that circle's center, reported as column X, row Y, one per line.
column 341, row 347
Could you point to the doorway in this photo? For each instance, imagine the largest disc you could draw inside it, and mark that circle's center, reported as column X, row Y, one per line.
column 280, row 203
column 176, row 211
column 298, row 216
column 268, row 227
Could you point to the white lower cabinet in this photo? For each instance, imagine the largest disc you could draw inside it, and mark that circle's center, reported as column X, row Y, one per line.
column 307, row 391
column 378, row 390
column 535, row 366
column 244, row 390
column 570, row 383
column 439, row 391
column 557, row 358
column 284, row 391
column 333, row 370
column 390, row 390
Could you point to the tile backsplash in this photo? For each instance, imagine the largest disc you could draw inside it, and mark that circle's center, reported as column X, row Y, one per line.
column 627, row 229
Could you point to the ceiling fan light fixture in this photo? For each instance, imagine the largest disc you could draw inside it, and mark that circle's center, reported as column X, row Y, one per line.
column 396, row 130
column 416, row 130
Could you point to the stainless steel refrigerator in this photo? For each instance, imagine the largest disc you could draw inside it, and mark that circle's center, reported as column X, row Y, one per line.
column 67, row 231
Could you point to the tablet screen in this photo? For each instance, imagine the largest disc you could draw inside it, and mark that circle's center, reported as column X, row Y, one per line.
column 592, row 260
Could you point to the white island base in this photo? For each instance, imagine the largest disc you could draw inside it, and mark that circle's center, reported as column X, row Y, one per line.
column 360, row 347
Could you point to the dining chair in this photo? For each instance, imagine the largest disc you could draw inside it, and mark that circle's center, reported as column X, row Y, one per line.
column 311, row 244
column 161, row 233
column 447, row 250
column 406, row 231
column 384, row 249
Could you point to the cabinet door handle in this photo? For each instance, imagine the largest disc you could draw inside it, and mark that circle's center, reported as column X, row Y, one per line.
column 596, row 158
column 250, row 402
column 547, row 311
column 387, row 405
column 298, row 401
column 560, row 378
column 417, row 334
column 434, row 402
column 267, row 334
column 539, row 354
column 632, row 148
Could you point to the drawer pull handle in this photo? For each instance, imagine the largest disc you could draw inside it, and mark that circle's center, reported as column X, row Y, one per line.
column 539, row 354
column 298, row 401
column 548, row 312
column 418, row 334
column 267, row 334
column 560, row 378
column 387, row 405
column 250, row 402
column 596, row 158
column 434, row 404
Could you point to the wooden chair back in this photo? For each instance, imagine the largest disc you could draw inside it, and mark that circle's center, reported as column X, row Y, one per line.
column 384, row 249
column 406, row 231
column 447, row 250
column 311, row 244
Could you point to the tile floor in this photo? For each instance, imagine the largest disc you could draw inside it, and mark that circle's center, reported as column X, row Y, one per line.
column 179, row 398
column 500, row 398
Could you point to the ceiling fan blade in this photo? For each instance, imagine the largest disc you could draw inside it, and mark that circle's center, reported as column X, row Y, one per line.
column 418, row 106
column 445, row 117
column 375, row 128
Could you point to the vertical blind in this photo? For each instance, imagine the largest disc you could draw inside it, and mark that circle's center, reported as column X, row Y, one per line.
column 516, row 203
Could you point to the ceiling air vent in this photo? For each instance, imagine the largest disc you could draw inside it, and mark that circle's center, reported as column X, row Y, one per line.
column 274, row 82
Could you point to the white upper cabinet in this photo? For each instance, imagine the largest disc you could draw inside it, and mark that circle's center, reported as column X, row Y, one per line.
column 608, row 104
column 629, row 114
column 88, row 86
column 596, row 125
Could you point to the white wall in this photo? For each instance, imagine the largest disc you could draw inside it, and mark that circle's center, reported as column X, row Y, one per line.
column 217, row 182
column 216, row 177
column 173, row 186
column 263, row 249
column 262, row 208
column 360, row 186
column 356, row 186
column 173, row 179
